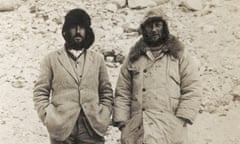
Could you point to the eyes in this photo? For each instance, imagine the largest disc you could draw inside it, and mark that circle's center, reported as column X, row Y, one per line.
column 154, row 25
column 158, row 24
column 77, row 29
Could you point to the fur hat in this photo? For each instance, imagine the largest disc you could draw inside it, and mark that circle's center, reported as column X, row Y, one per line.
column 154, row 13
column 79, row 17
column 76, row 17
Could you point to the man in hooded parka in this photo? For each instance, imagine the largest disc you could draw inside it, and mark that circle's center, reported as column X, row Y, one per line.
column 73, row 95
column 158, row 90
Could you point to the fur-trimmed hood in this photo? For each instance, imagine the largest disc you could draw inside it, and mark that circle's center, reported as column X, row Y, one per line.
column 156, row 12
column 171, row 47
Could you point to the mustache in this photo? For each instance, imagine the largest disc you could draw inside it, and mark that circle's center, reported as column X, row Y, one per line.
column 150, row 35
column 78, row 35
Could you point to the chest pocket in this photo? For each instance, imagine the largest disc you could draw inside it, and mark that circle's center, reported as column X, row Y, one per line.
column 174, row 84
column 135, row 74
column 173, row 72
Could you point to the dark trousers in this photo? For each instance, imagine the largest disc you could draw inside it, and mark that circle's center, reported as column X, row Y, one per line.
column 81, row 134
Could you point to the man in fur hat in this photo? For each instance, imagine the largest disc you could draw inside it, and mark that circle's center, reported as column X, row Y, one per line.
column 73, row 96
column 158, row 89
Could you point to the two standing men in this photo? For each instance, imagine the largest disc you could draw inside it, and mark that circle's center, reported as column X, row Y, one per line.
column 157, row 92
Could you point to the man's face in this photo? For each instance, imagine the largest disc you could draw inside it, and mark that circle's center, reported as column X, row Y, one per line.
column 77, row 35
column 154, row 31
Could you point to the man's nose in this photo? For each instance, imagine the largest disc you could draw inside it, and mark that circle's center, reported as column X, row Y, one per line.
column 78, row 29
column 155, row 28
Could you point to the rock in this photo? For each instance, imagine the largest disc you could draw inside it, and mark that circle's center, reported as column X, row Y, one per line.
column 111, row 7
column 113, row 55
column 119, row 3
column 211, row 109
column 17, row 84
column 217, row 3
column 158, row 2
column 118, row 30
column 9, row 5
column 135, row 4
column 33, row 9
column 209, row 28
column 128, row 28
column 195, row 5
column 236, row 93
column 3, row 122
column 58, row 20
column 236, row 99
column 236, row 34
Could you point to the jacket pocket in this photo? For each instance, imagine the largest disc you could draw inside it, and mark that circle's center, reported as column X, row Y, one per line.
column 132, row 133
column 48, row 113
column 174, row 102
column 180, row 134
column 175, row 78
column 174, row 83
column 98, row 116
column 52, row 120
column 177, row 130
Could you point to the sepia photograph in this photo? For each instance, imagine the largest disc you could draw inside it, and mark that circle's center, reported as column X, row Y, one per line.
column 120, row 72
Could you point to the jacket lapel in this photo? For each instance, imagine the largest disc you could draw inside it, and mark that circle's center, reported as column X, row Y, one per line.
column 64, row 60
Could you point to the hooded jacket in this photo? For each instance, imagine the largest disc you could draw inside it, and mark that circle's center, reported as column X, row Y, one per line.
column 152, row 95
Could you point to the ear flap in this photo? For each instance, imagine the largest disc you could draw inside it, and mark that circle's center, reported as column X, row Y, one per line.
column 140, row 29
column 63, row 34
column 90, row 38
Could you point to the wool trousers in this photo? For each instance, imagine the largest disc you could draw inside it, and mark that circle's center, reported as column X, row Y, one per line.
column 81, row 134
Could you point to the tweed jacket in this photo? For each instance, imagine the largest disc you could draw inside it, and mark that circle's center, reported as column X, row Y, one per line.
column 59, row 95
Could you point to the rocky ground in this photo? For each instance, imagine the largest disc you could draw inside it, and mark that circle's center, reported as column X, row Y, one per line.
column 33, row 29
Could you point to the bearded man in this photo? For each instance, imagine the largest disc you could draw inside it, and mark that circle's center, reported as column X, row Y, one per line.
column 158, row 89
column 73, row 96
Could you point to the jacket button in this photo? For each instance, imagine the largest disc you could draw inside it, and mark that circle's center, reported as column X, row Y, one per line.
column 144, row 89
column 139, row 127
column 143, row 109
column 144, row 70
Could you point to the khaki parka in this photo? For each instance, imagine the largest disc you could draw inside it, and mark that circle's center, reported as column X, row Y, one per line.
column 152, row 95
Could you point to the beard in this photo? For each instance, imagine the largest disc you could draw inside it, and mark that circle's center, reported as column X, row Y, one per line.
column 75, row 42
column 152, row 39
column 85, row 41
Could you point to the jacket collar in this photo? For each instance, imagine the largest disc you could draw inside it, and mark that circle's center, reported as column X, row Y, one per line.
column 172, row 47
column 75, row 54
column 64, row 60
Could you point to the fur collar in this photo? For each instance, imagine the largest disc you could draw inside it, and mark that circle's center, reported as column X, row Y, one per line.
column 171, row 47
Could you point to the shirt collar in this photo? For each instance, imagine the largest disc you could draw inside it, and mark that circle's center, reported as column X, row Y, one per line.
column 75, row 54
column 149, row 53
